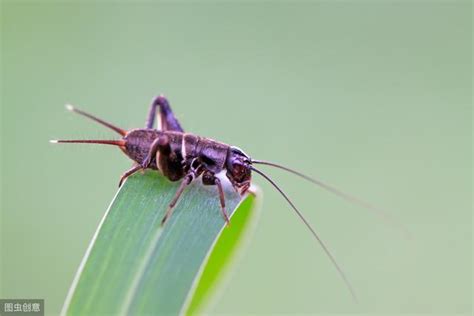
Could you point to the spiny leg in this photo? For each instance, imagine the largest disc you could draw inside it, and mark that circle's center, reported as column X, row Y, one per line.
column 222, row 200
column 161, row 144
column 168, row 121
column 186, row 181
column 209, row 178
column 128, row 173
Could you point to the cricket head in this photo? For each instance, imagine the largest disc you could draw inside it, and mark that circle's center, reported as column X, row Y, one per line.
column 238, row 169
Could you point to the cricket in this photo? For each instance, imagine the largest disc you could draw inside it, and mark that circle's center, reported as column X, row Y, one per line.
column 185, row 157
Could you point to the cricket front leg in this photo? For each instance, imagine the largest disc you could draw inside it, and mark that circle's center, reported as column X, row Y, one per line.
column 209, row 178
column 168, row 122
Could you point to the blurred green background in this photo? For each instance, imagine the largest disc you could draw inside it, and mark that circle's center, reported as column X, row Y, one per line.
column 372, row 97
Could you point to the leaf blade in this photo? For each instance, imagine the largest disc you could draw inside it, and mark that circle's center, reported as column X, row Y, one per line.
column 136, row 262
column 225, row 254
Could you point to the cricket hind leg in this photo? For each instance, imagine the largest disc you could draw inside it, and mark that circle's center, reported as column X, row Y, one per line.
column 128, row 173
column 168, row 122
column 160, row 156
column 209, row 178
column 161, row 144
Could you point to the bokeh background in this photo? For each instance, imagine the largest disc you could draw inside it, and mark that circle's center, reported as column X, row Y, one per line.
column 373, row 97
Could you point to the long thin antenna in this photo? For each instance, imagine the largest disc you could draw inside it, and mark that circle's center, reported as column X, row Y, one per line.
column 385, row 216
column 119, row 143
column 316, row 236
column 98, row 120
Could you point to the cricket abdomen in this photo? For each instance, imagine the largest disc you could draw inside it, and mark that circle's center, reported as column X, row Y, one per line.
column 138, row 143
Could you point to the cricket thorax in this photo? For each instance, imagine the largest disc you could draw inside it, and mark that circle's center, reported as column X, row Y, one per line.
column 193, row 153
column 212, row 154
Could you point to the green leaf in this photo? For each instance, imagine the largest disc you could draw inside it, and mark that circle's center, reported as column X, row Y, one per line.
column 135, row 266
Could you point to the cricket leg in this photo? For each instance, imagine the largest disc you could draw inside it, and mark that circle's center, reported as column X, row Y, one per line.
column 161, row 144
column 168, row 122
column 210, row 179
column 186, row 181
column 128, row 173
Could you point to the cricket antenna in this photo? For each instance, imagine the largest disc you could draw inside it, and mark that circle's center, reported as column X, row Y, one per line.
column 119, row 143
column 385, row 216
column 316, row 236
column 98, row 120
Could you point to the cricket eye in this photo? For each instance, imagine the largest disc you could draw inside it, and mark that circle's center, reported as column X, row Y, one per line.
column 238, row 170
